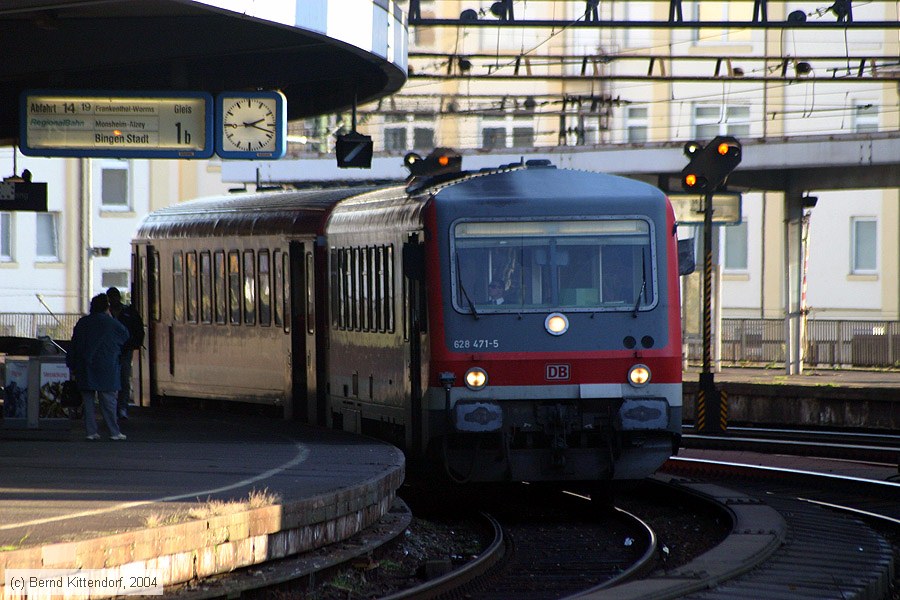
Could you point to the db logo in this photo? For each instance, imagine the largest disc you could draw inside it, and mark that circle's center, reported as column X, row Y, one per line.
column 557, row 372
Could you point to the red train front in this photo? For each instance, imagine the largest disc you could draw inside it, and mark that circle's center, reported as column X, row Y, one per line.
column 554, row 346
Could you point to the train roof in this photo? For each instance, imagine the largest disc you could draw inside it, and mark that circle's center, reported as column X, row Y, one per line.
column 262, row 213
column 544, row 182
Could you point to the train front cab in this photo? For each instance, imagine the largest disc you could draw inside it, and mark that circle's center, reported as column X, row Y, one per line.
column 577, row 375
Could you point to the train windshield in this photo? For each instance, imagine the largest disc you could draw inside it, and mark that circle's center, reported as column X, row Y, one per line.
column 517, row 266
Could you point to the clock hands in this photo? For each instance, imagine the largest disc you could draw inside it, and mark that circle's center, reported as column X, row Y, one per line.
column 249, row 124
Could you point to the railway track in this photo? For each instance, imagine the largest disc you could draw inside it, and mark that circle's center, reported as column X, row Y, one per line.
column 840, row 538
column 793, row 534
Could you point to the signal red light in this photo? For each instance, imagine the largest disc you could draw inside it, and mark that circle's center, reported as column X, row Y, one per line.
column 443, row 160
column 690, row 180
column 723, row 148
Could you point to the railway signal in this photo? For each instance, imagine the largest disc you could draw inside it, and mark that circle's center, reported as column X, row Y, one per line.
column 708, row 169
column 439, row 161
column 710, row 165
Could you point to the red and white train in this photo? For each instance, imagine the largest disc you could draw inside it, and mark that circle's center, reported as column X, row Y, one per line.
column 379, row 311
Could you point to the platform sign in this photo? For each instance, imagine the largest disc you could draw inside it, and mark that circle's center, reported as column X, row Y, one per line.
column 689, row 208
column 116, row 124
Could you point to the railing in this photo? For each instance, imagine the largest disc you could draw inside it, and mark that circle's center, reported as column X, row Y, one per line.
column 33, row 325
column 862, row 344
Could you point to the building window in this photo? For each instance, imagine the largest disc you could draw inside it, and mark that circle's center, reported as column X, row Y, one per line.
column 711, row 120
column 116, row 279
column 401, row 128
column 865, row 118
column 509, row 131
column 636, row 124
column 734, row 247
column 6, row 245
column 395, row 139
column 863, row 245
column 114, row 188
column 47, row 246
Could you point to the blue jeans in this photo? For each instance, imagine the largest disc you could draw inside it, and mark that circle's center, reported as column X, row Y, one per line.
column 123, row 398
column 107, row 409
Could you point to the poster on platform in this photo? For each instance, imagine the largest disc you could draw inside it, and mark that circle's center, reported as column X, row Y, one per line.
column 52, row 377
column 15, row 402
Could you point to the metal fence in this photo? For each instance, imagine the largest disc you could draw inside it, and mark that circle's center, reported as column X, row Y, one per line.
column 864, row 344
column 33, row 325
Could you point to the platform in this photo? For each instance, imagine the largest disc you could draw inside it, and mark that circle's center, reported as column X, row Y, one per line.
column 190, row 494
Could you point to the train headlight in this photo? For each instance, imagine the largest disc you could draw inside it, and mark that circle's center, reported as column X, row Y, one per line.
column 556, row 324
column 639, row 375
column 476, row 378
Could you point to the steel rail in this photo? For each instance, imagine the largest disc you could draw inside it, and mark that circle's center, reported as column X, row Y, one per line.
column 458, row 578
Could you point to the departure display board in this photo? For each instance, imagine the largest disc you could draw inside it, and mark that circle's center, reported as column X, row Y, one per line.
column 117, row 124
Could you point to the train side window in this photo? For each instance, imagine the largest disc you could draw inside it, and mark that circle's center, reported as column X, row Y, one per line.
column 249, row 288
column 310, row 294
column 178, row 287
column 154, row 301
column 138, row 267
column 378, row 288
column 234, row 287
column 265, row 288
column 354, row 289
column 365, row 297
column 389, row 288
column 190, row 272
column 206, row 287
column 220, row 301
column 286, row 286
column 347, row 298
column 277, row 289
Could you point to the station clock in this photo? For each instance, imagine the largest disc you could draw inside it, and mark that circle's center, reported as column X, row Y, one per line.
column 251, row 125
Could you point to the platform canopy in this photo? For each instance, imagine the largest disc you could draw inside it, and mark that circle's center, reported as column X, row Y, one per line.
column 321, row 53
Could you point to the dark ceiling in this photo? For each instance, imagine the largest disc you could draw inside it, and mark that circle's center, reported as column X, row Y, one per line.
column 176, row 45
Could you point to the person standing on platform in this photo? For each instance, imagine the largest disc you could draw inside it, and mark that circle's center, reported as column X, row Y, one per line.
column 93, row 360
column 127, row 316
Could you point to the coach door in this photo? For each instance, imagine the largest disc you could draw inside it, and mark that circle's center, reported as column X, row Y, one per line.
column 303, row 331
column 146, row 291
column 414, row 328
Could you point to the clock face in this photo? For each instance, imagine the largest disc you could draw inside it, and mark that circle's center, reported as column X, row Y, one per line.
column 251, row 125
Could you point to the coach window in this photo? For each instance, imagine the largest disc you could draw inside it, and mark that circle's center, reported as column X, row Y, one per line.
column 205, row 287
column 277, row 288
column 265, row 290
column 364, row 295
column 178, row 287
column 190, row 271
column 234, row 287
column 378, row 288
column 221, row 298
column 389, row 288
column 249, row 288
column 355, row 291
column 156, row 287
column 310, row 294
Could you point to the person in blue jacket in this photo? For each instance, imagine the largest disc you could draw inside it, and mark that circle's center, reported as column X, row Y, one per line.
column 93, row 361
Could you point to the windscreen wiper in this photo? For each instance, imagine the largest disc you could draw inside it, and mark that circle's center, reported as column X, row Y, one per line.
column 463, row 289
column 637, row 303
